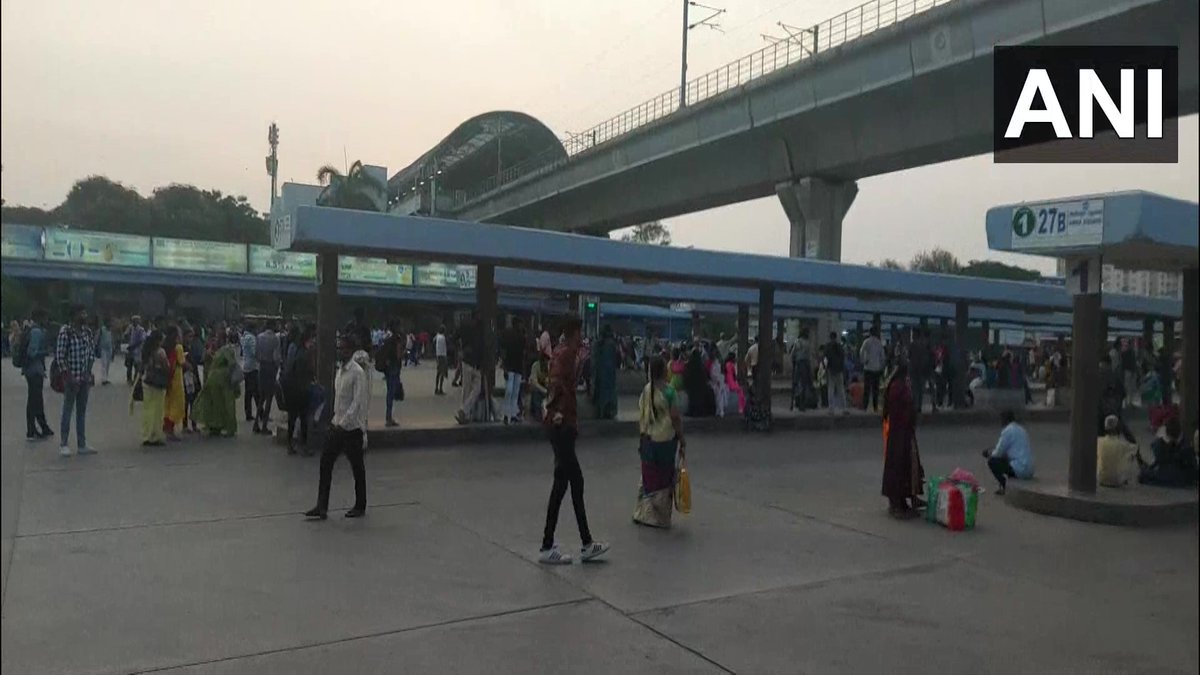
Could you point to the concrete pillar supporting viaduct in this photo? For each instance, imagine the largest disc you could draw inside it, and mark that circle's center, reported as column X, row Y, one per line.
column 815, row 208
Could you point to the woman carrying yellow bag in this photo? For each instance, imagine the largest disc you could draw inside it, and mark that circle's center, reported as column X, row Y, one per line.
column 660, row 442
column 683, row 488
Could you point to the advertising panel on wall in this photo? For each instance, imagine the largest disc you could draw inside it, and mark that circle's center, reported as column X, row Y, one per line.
column 441, row 275
column 199, row 256
column 98, row 248
column 267, row 261
column 373, row 271
column 21, row 241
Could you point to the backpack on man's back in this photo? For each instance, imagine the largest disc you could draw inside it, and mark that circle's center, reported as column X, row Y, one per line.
column 20, row 351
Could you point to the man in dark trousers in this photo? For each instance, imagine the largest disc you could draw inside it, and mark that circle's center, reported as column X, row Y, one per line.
column 920, row 368
column 347, row 432
column 562, row 426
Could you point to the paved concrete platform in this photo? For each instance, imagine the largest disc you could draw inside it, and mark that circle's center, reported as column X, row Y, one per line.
column 1134, row 504
column 194, row 558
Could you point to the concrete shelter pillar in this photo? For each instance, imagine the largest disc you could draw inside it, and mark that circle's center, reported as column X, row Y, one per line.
column 815, row 208
column 485, row 300
column 959, row 354
column 1189, row 392
column 1169, row 345
column 743, row 340
column 1086, row 348
column 766, row 346
column 1148, row 334
column 327, row 319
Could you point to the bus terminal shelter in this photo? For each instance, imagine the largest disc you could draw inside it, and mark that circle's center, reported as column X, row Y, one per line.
column 1130, row 230
column 328, row 232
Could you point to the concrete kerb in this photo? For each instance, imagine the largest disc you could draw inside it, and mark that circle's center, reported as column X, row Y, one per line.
column 494, row 433
column 1133, row 505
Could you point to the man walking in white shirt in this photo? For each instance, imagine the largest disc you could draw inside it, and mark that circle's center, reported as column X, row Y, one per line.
column 443, row 364
column 347, row 432
column 873, row 358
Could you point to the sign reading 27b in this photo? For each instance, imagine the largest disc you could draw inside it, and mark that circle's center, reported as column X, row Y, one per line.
column 1058, row 225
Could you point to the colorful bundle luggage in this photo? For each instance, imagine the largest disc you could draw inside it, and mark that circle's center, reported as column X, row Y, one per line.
column 952, row 502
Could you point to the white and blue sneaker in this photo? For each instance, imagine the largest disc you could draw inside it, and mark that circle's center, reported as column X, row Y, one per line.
column 64, row 451
column 87, row 450
column 593, row 551
column 553, row 556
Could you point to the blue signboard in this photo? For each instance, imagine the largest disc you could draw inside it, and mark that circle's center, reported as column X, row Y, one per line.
column 100, row 248
column 21, row 241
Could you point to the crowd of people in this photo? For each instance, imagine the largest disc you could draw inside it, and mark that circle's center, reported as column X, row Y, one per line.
column 187, row 379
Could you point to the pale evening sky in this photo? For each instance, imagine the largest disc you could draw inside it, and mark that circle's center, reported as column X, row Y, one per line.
column 150, row 93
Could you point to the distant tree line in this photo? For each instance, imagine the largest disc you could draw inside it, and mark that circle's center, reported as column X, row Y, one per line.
column 941, row 261
column 176, row 210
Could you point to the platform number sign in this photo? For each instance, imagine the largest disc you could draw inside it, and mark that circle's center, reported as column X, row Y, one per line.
column 1044, row 221
column 1059, row 225
column 1084, row 276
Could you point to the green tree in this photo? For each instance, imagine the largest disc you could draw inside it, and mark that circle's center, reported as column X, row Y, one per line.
column 653, row 232
column 355, row 189
column 887, row 264
column 992, row 269
column 26, row 215
column 937, row 261
column 182, row 211
column 97, row 203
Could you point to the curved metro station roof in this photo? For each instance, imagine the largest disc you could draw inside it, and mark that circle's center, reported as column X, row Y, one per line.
column 478, row 149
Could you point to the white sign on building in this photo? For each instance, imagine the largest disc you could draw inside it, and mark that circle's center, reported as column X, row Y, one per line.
column 1058, row 225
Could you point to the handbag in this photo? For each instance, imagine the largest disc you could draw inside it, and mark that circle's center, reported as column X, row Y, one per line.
column 58, row 377
column 139, row 394
column 683, row 489
column 157, row 375
column 399, row 390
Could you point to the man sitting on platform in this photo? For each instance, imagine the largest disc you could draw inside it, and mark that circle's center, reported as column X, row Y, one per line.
column 1012, row 457
column 1174, row 462
column 1114, row 455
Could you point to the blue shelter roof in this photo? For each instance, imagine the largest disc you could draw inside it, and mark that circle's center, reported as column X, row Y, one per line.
column 376, row 234
column 1133, row 230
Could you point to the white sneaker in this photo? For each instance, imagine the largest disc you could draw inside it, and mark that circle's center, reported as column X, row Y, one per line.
column 87, row 450
column 592, row 551
column 64, row 451
column 553, row 556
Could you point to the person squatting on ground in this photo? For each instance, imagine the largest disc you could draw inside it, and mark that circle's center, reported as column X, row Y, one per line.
column 1013, row 455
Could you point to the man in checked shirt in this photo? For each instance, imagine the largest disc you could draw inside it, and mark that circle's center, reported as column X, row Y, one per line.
column 75, row 351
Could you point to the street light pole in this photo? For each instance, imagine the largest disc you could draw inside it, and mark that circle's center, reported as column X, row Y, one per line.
column 683, row 69
column 706, row 21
